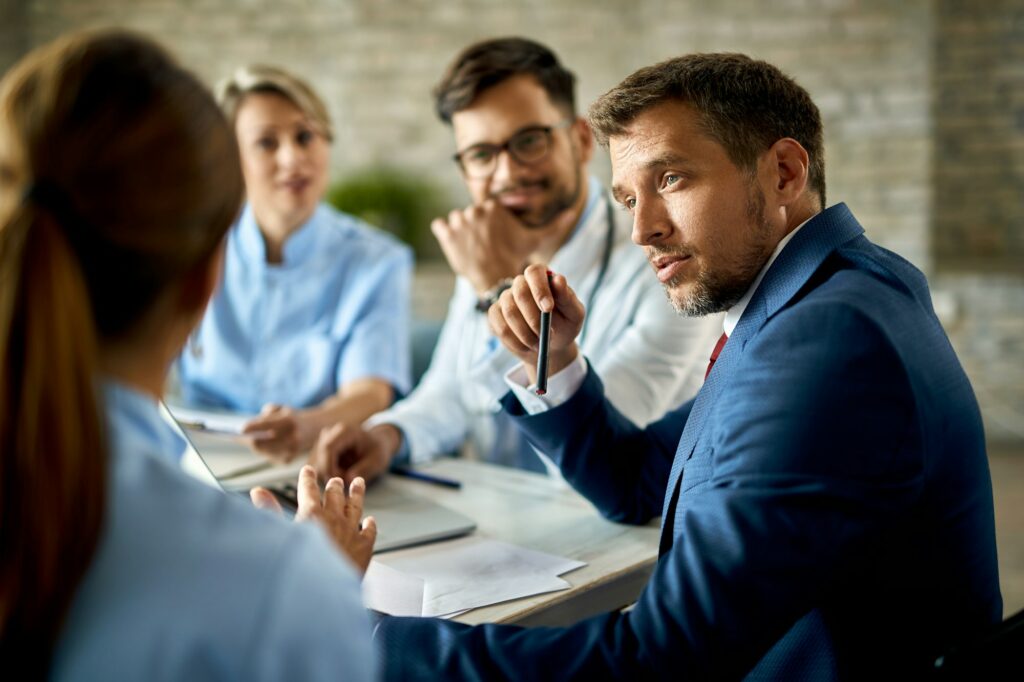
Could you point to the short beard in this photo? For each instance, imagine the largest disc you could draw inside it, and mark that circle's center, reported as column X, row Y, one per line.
column 563, row 200
column 716, row 291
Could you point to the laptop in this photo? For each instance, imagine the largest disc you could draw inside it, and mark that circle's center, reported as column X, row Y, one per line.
column 403, row 519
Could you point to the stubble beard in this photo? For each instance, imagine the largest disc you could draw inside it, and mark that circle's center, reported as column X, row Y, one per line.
column 563, row 200
column 716, row 291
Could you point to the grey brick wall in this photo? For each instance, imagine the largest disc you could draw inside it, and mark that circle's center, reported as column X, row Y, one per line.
column 979, row 133
column 922, row 103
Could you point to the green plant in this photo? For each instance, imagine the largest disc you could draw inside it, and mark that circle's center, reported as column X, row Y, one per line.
column 395, row 201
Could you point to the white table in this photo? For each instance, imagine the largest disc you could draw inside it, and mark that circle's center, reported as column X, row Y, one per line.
column 535, row 511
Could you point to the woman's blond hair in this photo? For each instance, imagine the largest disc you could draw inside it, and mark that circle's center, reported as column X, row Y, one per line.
column 256, row 78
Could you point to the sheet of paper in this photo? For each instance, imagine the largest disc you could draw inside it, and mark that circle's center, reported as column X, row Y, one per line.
column 393, row 592
column 471, row 572
column 226, row 423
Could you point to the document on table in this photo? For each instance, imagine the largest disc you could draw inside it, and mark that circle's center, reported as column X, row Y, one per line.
column 446, row 579
column 218, row 436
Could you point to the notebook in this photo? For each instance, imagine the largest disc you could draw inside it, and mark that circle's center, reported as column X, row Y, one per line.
column 403, row 519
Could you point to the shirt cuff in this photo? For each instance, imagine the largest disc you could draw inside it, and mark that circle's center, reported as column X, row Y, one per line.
column 561, row 386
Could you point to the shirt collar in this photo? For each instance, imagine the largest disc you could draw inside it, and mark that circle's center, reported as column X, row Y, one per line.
column 134, row 418
column 298, row 248
column 733, row 315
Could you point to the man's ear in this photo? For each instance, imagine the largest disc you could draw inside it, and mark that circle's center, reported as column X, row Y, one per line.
column 584, row 138
column 788, row 169
column 198, row 285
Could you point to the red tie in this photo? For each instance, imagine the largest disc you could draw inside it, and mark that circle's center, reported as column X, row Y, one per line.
column 715, row 353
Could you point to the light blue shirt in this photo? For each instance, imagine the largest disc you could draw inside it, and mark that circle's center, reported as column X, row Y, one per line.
column 191, row 583
column 334, row 310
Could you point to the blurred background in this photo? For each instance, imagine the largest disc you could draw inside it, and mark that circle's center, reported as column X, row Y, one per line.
column 923, row 102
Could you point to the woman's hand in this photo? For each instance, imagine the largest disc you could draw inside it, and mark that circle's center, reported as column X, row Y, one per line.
column 341, row 515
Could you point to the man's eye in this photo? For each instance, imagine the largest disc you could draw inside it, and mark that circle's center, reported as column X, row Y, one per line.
column 526, row 141
column 304, row 137
column 267, row 144
column 671, row 179
column 480, row 155
column 629, row 204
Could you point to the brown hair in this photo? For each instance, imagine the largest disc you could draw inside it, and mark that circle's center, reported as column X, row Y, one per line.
column 270, row 79
column 486, row 64
column 118, row 175
column 746, row 105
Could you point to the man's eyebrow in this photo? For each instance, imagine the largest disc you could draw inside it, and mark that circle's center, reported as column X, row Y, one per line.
column 668, row 159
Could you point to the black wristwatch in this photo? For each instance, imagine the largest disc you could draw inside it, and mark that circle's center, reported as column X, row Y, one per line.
column 490, row 297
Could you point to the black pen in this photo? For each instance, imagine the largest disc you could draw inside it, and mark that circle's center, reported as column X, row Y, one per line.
column 425, row 477
column 542, row 349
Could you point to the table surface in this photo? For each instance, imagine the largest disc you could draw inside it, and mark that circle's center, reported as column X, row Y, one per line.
column 538, row 512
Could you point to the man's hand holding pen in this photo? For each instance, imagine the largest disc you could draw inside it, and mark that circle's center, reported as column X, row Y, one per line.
column 515, row 319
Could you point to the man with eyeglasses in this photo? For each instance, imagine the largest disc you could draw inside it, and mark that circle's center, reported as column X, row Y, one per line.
column 523, row 154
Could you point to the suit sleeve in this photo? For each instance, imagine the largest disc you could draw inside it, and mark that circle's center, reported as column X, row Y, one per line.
column 621, row 468
column 806, row 477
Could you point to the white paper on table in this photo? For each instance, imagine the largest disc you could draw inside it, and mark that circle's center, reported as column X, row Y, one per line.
column 227, row 423
column 471, row 572
column 392, row 592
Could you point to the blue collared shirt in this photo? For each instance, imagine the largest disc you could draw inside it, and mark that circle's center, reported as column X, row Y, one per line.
column 334, row 310
column 191, row 583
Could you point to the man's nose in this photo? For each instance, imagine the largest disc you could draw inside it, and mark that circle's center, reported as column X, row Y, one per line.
column 506, row 169
column 651, row 223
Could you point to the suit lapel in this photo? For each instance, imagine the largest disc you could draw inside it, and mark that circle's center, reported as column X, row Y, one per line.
column 822, row 235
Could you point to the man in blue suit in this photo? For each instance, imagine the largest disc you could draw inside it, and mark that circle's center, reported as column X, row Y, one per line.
column 826, row 497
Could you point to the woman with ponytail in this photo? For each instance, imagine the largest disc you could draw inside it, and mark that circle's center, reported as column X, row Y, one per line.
column 118, row 180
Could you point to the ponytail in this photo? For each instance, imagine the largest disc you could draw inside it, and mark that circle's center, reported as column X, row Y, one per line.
column 53, row 468
column 118, row 177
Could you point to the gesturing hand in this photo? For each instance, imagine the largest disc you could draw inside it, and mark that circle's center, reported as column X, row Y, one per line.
column 515, row 319
column 340, row 514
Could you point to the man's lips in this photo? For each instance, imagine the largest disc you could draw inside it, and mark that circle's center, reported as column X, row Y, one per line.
column 519, row 196
column 669, row 266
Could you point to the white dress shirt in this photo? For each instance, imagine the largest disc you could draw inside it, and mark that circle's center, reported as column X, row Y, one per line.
column 649, row 358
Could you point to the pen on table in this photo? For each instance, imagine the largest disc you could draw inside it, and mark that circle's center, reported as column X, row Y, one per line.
column 542, row 349
column 425, row 477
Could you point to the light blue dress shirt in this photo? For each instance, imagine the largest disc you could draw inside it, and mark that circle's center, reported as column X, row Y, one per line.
column 189, row 583
column 335, row 309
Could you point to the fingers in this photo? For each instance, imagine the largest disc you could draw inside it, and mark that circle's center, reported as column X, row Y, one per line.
column 264, row 499
column 502, row 331
column 356, row 496
column 308, row 495
column 369, row 467
column 519, row 321
column 566, row 302
column 334, row 449
column 369, row 530
column 536, row 277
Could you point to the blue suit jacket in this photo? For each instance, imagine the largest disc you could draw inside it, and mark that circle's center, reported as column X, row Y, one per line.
column 826, row 496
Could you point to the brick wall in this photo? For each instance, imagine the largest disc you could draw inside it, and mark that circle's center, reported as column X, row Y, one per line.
column 900, row 85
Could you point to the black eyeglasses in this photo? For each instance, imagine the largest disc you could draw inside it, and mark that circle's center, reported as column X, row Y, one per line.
column 527, row 146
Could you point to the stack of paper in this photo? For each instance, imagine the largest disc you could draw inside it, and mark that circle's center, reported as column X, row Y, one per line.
column 446, row 579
